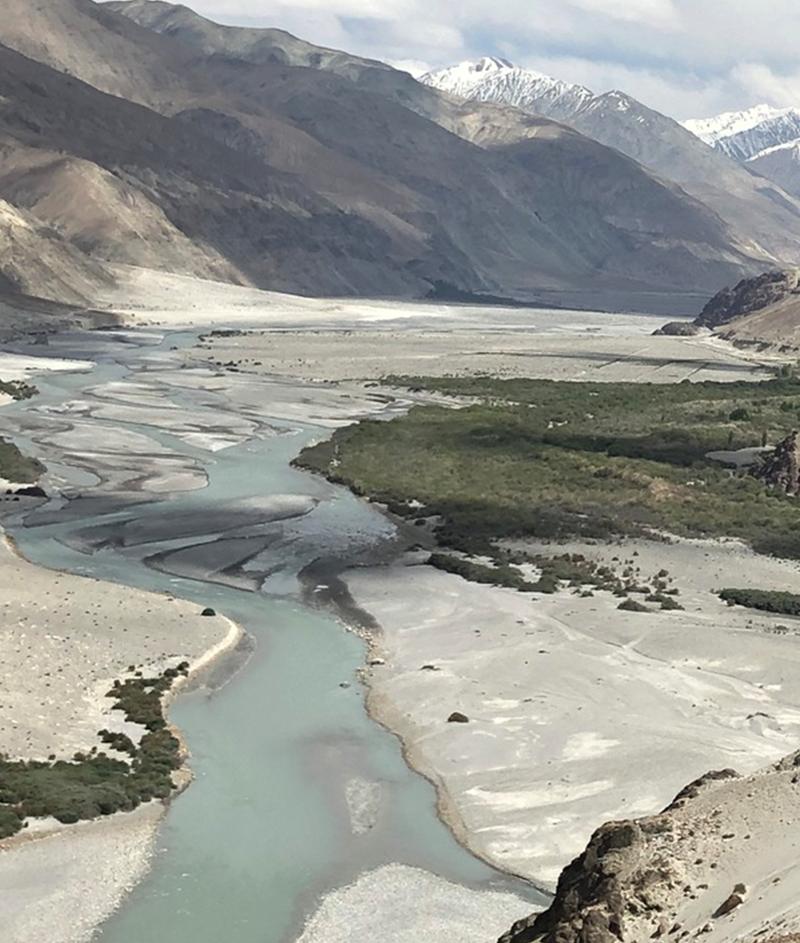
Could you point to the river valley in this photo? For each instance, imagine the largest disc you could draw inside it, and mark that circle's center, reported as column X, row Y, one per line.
column 166, row 487
column 169, row 463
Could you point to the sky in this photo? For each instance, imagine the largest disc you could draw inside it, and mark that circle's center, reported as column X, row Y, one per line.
column 686, row 58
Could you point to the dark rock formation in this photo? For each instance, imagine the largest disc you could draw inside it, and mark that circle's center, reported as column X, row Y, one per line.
column 678, row 329
column 208, row 612
column 458, row 718
column 735, row 900
column 589, row 906
column 693, row 790
column 781, row 469
column 31, row 491
column 751, row 294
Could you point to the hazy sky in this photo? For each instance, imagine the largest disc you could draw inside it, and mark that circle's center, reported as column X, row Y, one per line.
column 688, row 58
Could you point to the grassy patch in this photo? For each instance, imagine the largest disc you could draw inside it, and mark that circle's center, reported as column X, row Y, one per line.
column 550, row 460
column 95, row 784
column 18, row 389
column 14, row 466
column 787, row 604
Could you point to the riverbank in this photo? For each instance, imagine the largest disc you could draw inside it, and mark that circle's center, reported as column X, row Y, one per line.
column 64, row 639
column 569, row 700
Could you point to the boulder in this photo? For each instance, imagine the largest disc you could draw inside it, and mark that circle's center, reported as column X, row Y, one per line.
column 458, row 718
column 678, row 329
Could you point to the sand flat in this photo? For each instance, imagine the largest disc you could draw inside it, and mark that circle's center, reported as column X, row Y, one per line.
column 64, row 639
column 600, row 354
column 579, row 713
column 49, row 887
column 398, row 904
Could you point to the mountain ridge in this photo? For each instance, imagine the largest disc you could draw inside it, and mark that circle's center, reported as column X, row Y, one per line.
column 762, row 215
column 353, row 179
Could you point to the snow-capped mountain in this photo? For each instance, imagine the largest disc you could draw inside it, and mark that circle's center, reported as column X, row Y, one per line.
column 500, row 81
column 739, row 194
column 744, row 135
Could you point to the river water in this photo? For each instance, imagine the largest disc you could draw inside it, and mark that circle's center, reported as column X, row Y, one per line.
column 297, row 790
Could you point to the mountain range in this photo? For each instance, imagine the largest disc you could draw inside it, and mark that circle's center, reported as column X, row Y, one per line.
column 759, row 212
column 765, row 139
column 141, row 133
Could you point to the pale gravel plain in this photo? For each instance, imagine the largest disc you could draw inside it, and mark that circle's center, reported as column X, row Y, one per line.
column 599, row 355
column 162, row 300
column 49, row 887
column 580, row 713
column 398, row 904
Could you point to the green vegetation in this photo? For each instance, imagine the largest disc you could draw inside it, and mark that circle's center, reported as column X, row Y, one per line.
column 550, row 460
column 14, row 466
column 631, row 605
column 556, row 572
column 501, row 575
column 96, row 784
column 18, row 389
column 787, row 604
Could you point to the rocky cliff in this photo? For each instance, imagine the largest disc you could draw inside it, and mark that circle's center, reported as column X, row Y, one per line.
column 781, row 469
column 719, row 864
column 748, row 296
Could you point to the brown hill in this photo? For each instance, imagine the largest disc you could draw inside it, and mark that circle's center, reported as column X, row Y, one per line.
column 311, row 171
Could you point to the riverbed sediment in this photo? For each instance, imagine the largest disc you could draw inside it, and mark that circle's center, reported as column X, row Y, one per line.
column 249, row 393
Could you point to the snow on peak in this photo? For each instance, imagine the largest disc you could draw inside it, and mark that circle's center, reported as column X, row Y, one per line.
column 712, row 130
column 498, row 80
column 489, row 64
column 744, row 135
column 792, row 147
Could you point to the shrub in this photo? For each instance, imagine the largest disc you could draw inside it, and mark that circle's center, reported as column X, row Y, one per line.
column 765, row 600
column 630, row 605
column 94, row 784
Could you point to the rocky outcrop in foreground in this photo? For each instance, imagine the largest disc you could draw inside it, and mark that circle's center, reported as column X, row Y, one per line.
column 719, row 864
column 781, row 469
column 750, row 295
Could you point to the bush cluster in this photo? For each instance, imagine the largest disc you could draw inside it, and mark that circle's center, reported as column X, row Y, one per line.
column 96, row 784
column 787, row 604
column 559, row 461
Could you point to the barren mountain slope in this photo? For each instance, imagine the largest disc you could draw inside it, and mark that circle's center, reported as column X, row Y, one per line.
column 36, row 261
column 255, row 45
column 300, row 179
column 486, row 125
column 780, row 164
column 91, row 42
column 244, row 221
column 776, row 326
